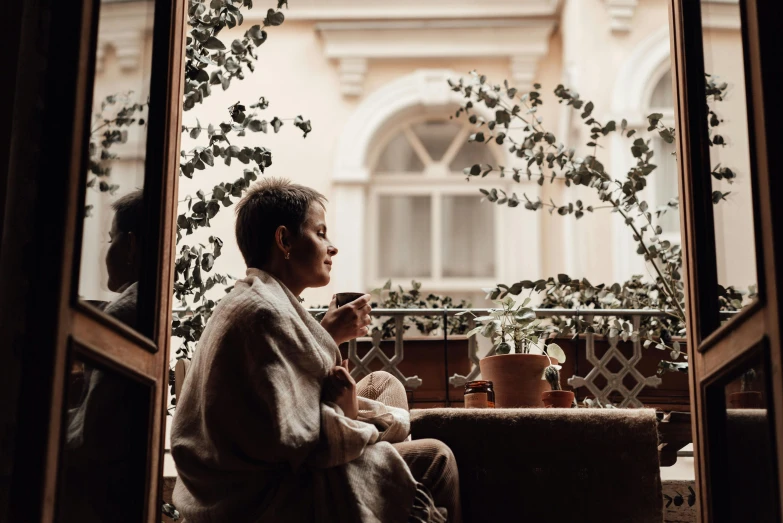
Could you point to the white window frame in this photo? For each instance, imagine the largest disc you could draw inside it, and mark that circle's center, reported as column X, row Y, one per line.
column 436, row 182
column 421, row 92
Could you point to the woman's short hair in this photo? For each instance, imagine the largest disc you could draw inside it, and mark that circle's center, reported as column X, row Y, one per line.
column 268, row 204
column 129, row 212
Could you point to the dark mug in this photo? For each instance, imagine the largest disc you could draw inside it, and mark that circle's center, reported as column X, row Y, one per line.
column 344, row 298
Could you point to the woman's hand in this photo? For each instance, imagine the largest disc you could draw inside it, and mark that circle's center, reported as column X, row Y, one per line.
column 349, row 321
column 340, row 388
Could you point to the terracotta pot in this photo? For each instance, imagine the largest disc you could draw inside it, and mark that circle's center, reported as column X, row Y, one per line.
column 746, row 400
column 516, row 378
column 559, row 399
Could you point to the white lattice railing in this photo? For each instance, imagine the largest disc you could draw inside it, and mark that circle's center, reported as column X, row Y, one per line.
column 599, row 373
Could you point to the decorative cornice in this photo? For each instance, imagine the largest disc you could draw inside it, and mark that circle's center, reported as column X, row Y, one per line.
column 621, row 14
column 319, row 10
column 352, row 72
column 355, row 44
column 124, row 27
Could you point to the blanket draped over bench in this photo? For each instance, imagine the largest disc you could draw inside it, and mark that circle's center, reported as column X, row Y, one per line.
column 252, row 440
column 540, row 465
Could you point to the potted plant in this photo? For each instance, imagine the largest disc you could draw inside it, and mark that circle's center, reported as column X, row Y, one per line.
column 746, row 398
column 557, row 397
column 516, row 363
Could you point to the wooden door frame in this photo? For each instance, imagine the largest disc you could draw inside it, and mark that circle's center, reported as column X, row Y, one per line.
column 763, row 52
column 31, row 295
column 715, row 350
column 39, row 312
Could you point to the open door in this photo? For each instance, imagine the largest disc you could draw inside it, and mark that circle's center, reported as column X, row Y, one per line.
column 733, row 240
column 87, row 257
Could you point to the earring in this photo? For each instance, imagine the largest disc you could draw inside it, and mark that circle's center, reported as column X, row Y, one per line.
column 288, row 256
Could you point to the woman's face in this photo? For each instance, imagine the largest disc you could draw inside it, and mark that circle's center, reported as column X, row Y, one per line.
column 121, row 259
column 312, row 252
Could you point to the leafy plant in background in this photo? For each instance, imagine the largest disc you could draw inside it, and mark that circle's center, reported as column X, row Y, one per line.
column 564, row 293
column 110, row 127
column 388, row 298
column 209, row 64
column 543, row 156
column 513, row 327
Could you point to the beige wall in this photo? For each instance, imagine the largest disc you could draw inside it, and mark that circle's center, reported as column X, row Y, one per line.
column 307, row 83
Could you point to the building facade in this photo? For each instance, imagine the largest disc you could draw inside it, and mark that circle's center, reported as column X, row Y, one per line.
column 388, row 154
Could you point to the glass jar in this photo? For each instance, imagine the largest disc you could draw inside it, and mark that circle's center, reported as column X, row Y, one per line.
column 479, row 395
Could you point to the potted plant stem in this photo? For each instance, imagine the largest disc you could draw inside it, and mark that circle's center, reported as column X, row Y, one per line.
column 516, row 363
column 557, row 397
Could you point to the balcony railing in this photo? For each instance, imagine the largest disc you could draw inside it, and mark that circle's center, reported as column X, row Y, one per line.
column 600, row 373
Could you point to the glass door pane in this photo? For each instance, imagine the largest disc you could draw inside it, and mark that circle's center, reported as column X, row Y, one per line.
column 730, row 157
column 114, row 210
column 104, row 454
column 743, row 453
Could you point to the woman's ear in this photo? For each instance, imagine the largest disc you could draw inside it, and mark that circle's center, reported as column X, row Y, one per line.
column 283, row 239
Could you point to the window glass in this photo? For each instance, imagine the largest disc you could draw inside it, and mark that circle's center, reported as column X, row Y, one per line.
column 407, row 228
column 472, row 153
column 405, row 236
column 399, row 157
column 468, row 242
column 436, row 137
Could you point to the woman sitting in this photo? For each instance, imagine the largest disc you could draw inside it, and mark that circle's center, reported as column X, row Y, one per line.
column 270, row 425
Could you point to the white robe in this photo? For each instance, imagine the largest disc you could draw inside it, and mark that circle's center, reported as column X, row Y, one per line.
column 252, row 440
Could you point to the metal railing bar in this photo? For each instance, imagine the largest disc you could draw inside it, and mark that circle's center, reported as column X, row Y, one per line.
column 544, row 313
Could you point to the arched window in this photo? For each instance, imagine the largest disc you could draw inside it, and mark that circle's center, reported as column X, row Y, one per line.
column 664, row 178
column 427, row 223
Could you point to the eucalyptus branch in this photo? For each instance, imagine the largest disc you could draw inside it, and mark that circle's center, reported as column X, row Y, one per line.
column 210, row 62
column 539, row 147
column 663, row 280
